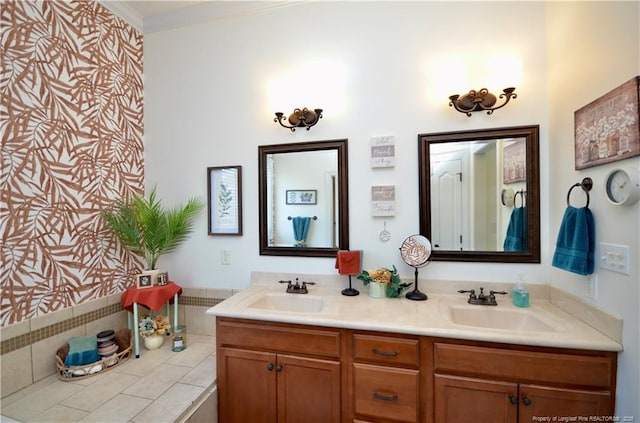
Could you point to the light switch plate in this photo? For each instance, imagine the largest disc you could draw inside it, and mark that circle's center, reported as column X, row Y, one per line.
column 614, row 257
column 225, row 257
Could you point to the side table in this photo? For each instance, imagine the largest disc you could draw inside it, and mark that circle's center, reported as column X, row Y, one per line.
column 153, row 298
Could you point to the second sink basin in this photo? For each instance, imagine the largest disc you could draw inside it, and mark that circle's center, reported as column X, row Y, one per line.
column 298, row 303
column 494, row 318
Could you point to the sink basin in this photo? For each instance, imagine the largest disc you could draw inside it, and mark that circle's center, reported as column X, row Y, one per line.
column 495, row 318
column 297, row 303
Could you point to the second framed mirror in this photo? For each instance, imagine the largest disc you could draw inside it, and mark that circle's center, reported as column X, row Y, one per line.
column 463, row 178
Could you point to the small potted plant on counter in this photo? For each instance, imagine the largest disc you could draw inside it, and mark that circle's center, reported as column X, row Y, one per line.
column 383, row 282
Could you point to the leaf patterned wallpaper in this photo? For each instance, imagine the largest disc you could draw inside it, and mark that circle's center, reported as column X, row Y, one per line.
column 71, row 121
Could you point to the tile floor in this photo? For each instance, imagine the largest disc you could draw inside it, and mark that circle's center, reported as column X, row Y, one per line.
column 158, row 387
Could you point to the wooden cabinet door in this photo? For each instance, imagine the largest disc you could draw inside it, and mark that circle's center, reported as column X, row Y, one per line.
column 308, row 390
column 543, row 401
column 466, row 400
column 246, row 386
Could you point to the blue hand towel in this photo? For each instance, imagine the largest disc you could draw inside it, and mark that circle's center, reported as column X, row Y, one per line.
column 301, row 230
column 516, row 238
column 576, row 242
column 82, row 350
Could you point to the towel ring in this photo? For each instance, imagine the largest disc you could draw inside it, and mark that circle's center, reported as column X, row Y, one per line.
column 312, row 218
column 515, row 198
column 586, row 185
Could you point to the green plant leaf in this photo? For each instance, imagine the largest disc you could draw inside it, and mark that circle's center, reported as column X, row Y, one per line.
column 145, row 227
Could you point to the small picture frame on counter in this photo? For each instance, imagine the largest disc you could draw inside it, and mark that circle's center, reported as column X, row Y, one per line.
column 163, row 278
column 143, row 280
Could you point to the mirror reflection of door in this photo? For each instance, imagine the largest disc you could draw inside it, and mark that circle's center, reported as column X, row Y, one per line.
column 447, row 201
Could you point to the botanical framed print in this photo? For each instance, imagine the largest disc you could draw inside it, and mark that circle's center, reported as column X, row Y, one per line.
column 607, row 129
column 302, row 196
column 224, row 200
column 144, row 280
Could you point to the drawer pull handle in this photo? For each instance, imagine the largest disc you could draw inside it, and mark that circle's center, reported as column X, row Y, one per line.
column 513, row 399
column 525, row 400
column 270, row 366
column 385, row 353
column 376, row 395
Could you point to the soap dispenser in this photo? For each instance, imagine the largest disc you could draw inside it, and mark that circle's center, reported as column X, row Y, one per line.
column 520, row 294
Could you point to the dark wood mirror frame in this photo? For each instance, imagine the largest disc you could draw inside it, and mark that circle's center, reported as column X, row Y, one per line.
column 531, row 135
column 343, row 197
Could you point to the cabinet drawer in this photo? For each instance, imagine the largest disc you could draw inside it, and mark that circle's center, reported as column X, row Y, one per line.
column 385, row 392
column 386, row 350
column 595, row 370
column 278, row 337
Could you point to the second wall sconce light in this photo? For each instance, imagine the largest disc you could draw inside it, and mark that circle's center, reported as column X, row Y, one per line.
column 300, row 118
column 477, row 101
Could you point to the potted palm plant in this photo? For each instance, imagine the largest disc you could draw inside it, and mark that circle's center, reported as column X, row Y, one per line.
column 145, row 227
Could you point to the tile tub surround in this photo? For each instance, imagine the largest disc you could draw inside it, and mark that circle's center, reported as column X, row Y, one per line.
column 28, row 347
column 429, row 317
column 160, row 386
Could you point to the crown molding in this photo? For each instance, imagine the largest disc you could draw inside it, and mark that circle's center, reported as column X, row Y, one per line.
column 192, row 14
column 209, row 11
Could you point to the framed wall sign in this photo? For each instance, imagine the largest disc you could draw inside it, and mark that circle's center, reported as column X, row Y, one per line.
column 607, row 129
column 383, row 200
column 383, row 153
column 302, row 196
column 224, row 200
column 514, row 162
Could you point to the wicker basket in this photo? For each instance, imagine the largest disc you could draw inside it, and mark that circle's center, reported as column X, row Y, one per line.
column 72, row 373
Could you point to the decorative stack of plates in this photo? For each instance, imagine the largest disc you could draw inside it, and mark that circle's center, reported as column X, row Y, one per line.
column 107, row 345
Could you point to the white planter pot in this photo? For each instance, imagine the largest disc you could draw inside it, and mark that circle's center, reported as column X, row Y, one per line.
column 378, row 290
column 153, row 342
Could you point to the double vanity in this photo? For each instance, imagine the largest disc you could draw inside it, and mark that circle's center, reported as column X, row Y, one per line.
column 324, row 357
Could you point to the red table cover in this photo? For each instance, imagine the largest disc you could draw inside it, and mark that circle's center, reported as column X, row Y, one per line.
column 153, row 298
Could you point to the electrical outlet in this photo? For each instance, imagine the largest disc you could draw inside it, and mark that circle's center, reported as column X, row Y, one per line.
column 225, row 257
column 614, row 257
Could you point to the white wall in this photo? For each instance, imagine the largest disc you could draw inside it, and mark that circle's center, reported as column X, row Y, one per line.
column 207, row 103
column 387, row 69
column 581, row 69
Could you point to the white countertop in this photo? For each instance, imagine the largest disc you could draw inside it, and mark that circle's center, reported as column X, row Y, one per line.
column 431, row 317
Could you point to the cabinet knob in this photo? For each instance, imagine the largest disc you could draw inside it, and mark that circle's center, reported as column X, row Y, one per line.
column 525, row 400
column 279, row 368
column 513, row 399
column 270, row 366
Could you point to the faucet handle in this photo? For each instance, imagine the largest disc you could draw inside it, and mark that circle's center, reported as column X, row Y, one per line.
column 287, row 282
column 471, row 292
column 492, row 293
column 307, row 283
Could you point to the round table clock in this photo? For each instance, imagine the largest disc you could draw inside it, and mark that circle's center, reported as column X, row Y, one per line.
column 622, row 186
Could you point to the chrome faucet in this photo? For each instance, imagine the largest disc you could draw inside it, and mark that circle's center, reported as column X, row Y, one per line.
column 482, row 299
column 297, row 288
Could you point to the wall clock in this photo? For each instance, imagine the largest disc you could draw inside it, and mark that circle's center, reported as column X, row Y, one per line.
column 622, row 186
column 508, row 197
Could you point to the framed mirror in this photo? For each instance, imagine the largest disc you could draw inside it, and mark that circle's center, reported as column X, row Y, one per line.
column 303, row 198
column 480, row 194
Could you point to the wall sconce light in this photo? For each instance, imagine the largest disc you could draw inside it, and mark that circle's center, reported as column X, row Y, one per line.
column 300, row 118
column 477, row 101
